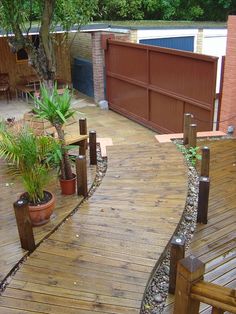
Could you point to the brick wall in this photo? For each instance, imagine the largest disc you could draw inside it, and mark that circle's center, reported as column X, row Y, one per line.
column 98, row 62
column 98, row 67
column 81, row 45
column 199, row 40
column 133, row 36
column 228, row 106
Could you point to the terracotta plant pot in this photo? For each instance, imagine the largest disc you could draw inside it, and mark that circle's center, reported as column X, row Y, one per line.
column 40, row 214
column 68, row 187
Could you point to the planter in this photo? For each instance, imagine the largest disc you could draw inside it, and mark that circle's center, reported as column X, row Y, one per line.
column 42, row 126
column 40, row 214
column 68, row 187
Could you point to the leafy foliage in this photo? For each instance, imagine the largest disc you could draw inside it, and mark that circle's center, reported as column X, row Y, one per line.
column 57, row 110
column 54, row 107
column 17, row 17
column 191, row 154
column 166, row 10
column 27, row 157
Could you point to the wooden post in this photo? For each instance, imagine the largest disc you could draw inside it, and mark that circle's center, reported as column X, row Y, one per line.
column 93, row 147
column 83, row 131
column 205, row 164
column 217, row 311
column 24, row 225
column 203, row 199
column 81, row 171
column 187, row 122
column 192, row 139
column 189, row 271
column 177, row 251
column 82, row 126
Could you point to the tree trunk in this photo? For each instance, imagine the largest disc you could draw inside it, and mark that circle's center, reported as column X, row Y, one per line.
column 41, row 58
column 46, row 40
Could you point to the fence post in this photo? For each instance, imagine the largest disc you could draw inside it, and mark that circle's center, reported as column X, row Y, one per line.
column 187, row 122
column 83, row 131
column 81, row 172
column 93, row 147
column 192, row 140
column 24, row 225
column 203, row 199
column 177, row 251
column 82, row 126
column 205, row 164
column 217, row 311
column 189, row 271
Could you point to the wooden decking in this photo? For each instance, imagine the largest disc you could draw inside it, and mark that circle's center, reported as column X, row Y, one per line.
column 11, row 252
column 215, row 243
column 100, row 260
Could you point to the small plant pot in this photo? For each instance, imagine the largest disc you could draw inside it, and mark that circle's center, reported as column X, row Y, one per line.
column 68, row 187
column 40, row 214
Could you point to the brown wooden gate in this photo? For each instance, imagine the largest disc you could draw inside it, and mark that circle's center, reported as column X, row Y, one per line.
column 156, row 86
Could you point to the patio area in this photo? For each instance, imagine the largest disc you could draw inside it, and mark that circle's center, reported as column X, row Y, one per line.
column 106, row 123
column 101, row 258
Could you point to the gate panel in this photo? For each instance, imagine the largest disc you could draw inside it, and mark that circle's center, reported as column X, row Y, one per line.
column 119, row 62
column 200, row 116
column 166, row 112
column 182, row 75
column 156, row 86
column 129, row 98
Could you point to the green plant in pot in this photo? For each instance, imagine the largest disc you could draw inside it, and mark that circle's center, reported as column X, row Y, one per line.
column 57, row 110
column 26, row 155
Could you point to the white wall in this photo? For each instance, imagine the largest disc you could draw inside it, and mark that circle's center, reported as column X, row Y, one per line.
column 214, row 44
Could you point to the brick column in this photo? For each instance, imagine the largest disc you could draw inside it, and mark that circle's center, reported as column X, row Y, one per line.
column 133, row 36
column 199, row 40
column 228, row 105
column 98, row 67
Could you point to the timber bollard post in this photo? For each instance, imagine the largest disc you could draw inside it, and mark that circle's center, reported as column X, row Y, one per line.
column 83, row 131
column 24, row 225
column 81, row 172
column 217, row 311
column 189, row 271
column 187, row 122
column 203, row 199
column 83, row 126
column 93, row 147
column 205, row 164
column 177, row 252
column 192, row 140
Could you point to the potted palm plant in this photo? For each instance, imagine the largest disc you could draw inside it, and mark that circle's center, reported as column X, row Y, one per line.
column 26, row 155
column 57, row 110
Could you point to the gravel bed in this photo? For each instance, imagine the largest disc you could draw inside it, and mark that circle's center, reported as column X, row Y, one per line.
column 157, row 289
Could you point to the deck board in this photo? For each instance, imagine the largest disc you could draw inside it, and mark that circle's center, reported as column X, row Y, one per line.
column 11, row 189
column 100, row 259
column 215, row 243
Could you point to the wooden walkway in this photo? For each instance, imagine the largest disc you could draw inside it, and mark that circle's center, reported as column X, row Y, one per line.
column 100, row 260
column 215, row 243
column 11, row 189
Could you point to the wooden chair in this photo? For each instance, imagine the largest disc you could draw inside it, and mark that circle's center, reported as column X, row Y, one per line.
column 5, row 85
